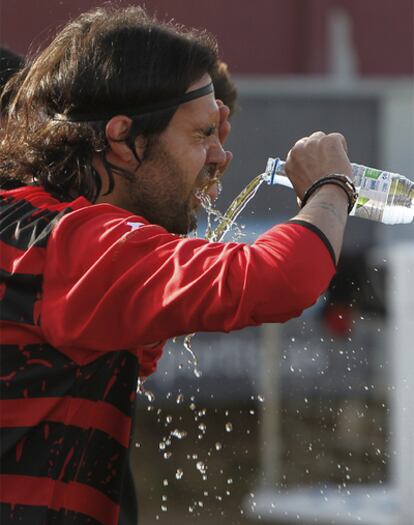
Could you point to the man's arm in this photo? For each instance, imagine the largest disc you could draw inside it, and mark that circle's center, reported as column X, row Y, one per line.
column 328, row 211
column 310, row 159
column 109, row 284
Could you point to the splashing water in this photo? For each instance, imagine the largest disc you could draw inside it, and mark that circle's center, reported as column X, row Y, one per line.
column 141, row 390
column 226, row 223
column 215, row 215
column 187, row 346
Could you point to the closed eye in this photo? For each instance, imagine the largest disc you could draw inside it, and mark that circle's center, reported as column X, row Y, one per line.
column 208, row 131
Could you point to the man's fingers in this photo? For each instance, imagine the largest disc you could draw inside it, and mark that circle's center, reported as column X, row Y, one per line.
column 317, row 135
column 224, row 125
column 341, row 138
column 320, row 135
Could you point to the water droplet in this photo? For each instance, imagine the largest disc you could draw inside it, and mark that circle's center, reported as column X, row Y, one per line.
column 141, row 390
column 180, row 399
column 150, row 396
column 229, row 427
column 179, row 473
column 218, row 445
column 179, row 434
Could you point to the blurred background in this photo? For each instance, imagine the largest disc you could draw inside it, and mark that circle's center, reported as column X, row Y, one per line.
column 311, row 421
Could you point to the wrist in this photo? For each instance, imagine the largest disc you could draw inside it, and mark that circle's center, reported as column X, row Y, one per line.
column 329, row 193
column 342, row 182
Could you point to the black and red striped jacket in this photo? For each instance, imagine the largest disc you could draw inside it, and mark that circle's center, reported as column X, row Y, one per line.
column 88, row 295
column 65, row 424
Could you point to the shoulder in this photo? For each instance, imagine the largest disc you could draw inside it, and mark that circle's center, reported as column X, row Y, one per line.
column 102, row 218
column 101, row 228
column 39, row 199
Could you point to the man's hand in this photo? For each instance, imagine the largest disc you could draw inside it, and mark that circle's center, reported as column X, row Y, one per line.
column 223, row 133
column 310, row 159
column 224, row 126
column 314, row 157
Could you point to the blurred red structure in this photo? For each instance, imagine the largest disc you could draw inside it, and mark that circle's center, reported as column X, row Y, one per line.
column 264, row 37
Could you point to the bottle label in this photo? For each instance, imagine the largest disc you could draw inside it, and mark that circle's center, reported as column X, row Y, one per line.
column 373, row 187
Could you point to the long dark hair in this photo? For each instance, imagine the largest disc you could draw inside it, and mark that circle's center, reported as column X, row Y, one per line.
column 105, row 60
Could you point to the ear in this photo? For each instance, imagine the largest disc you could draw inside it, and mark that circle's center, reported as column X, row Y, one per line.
column 117, row 130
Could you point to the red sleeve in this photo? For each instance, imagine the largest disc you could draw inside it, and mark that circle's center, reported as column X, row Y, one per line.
column 112, row 281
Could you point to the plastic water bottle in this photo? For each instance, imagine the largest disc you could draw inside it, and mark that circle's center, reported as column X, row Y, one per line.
column 382, row 196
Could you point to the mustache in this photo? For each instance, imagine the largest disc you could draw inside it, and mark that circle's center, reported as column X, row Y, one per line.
column 208, row 174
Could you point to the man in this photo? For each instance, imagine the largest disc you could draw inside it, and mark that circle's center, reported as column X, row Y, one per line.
column 111, row 136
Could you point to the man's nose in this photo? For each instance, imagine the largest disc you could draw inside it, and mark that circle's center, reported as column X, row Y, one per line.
column 216, row 155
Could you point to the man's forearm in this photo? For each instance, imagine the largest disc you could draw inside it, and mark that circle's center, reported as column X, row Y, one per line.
column 327, row 210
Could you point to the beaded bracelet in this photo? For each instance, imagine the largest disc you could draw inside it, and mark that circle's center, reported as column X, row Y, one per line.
column 342, row 181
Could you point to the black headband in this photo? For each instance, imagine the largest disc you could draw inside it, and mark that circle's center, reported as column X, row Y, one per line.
column 99, row 116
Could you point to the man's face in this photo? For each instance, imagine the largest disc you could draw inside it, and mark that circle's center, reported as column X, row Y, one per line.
column 180, row 162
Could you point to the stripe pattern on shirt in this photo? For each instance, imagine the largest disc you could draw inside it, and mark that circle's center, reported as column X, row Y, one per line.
column 65, row 426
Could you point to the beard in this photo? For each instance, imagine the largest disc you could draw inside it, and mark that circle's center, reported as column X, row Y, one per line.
column 160, row 193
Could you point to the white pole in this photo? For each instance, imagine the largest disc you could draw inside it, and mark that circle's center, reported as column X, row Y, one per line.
column 401, row 347
column 270, row 408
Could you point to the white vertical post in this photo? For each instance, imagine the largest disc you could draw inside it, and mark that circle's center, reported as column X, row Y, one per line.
column 343, row 59
column 401, row 348
column 270, row 408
